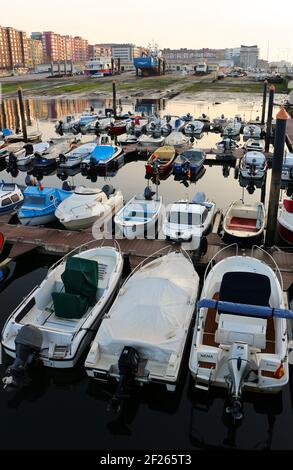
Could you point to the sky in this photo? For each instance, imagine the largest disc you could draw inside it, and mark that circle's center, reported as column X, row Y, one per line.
column 169, row 23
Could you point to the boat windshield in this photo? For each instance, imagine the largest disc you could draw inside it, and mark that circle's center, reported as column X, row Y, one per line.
column 184, row 218
column 35, row 200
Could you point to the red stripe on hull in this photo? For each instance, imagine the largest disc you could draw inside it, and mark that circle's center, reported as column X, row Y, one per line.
column 285, row 233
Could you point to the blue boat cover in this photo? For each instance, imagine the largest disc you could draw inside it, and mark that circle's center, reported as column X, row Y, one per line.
column 102, row 153
column 6, row 132
column 245, row 309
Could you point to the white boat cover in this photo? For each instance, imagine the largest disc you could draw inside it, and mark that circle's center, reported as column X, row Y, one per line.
column 153, row 310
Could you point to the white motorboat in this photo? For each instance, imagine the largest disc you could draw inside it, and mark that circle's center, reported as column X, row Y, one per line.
column 65, row 124
column 252, row 167
column 137, row 125
column 189, row 221
column 227, row 145
column 99, row 125
column 27, row 154
column 58, row 319
column 194, row 128
column 252, row 131
column 88, row 206
column 33, row 135
column 75, row 156
column 151, row 140
column 154, row 125
column 244, row 223
column 178, row 140
column 257, row 145
column 285, row 221
column 171, row 123
column 240, row 337
column 287, row 168
column 141, row 217
column 127, row 139
column 148, row 324
column 11, row 197
column 232, row 128
column 220, row 121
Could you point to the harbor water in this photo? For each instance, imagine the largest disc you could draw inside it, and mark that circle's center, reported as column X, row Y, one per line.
column 67, row 410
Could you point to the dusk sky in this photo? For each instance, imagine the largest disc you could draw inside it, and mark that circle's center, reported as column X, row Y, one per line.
column 170, row 23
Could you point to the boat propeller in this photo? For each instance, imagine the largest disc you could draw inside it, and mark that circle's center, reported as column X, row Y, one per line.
column 28, row 344
column 128, row 367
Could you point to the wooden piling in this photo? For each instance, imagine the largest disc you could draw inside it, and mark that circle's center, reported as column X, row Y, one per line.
column 22, row 114
column 270, row 117
column 264, row 101
column 114, row 98
column 279, row 145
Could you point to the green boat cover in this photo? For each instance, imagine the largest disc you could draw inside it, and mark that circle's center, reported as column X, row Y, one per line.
column 80, row 280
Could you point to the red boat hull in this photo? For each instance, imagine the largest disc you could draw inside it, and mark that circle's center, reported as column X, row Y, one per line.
column 285, row 233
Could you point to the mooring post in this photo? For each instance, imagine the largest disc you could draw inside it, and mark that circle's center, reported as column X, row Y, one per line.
column 52, row 68
column 114, row 98
column 119, row 65
column 22, row 114
column 28, row 113
column 112, row 66
column 270, row 117
column 264, row 101
column 279, row 145
column 263, row 190
column 164, row 67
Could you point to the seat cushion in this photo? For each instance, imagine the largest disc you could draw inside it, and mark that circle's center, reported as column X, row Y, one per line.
column 69, row 305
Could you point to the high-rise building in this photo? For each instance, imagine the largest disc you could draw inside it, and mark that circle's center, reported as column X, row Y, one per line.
column 13, row 48
column 35, row 52
column 99, row 50
column 59, row 48
column 249, row 56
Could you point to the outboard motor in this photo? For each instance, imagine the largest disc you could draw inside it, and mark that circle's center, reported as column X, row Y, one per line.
column 238, row 365
column 59, row 128
column 29, row 149
column 128, row 367
column 76, row 129
column 62, row 158
column 148, row 193
column 28, row 343
column 108, row 189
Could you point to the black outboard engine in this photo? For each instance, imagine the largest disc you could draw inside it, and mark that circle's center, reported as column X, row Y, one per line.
column 59, row 128
column 28, row 343
column 76, row 129
column 62, row 158
column 108, row 189
column 128, row 367
column 148, row 193
column 29, row 149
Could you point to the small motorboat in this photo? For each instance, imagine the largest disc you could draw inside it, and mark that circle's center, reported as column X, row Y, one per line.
column 232, row 128
column 151, row 140
column 189, row 163
column 127, row 139
column 240, row 336
column 11, row 148
column 141, row 217
column 189, row 221
column 287, row 170
column 58, row 319
column 136, row 125
column 118, row 127
column 144, row 334
column 161, row 161
column 171, row 123
column 220, row 121
column 11, row 197
column 98, row 125
column 257, row 145
column 227, row 145
column 154, row 125
column 252, row 131
column 244, row 223
column 33, row 135
column 101, row 157
column 88, row 206
column 177, row 140
column 193, row 128
column 75, row 156
column 39, row 205
column 187, row 117
column 252, row 167
column 285, row 221
column 27, row 154
column 65, row 124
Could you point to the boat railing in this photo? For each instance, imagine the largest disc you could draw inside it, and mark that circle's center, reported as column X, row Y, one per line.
column 82, row 248
column 276, row 268
column 213, row 261
column 153, row 255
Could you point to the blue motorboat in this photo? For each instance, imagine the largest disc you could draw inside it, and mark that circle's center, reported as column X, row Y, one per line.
column 41, row 162
column 40, row 204
column 101, row 157
column 189, row 163
column 11, row 197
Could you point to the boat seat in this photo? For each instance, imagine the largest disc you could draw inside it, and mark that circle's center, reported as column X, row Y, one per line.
column 239, row 223
column 68, row 305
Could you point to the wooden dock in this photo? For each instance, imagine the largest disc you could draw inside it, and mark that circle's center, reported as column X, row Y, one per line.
column 59, row 242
